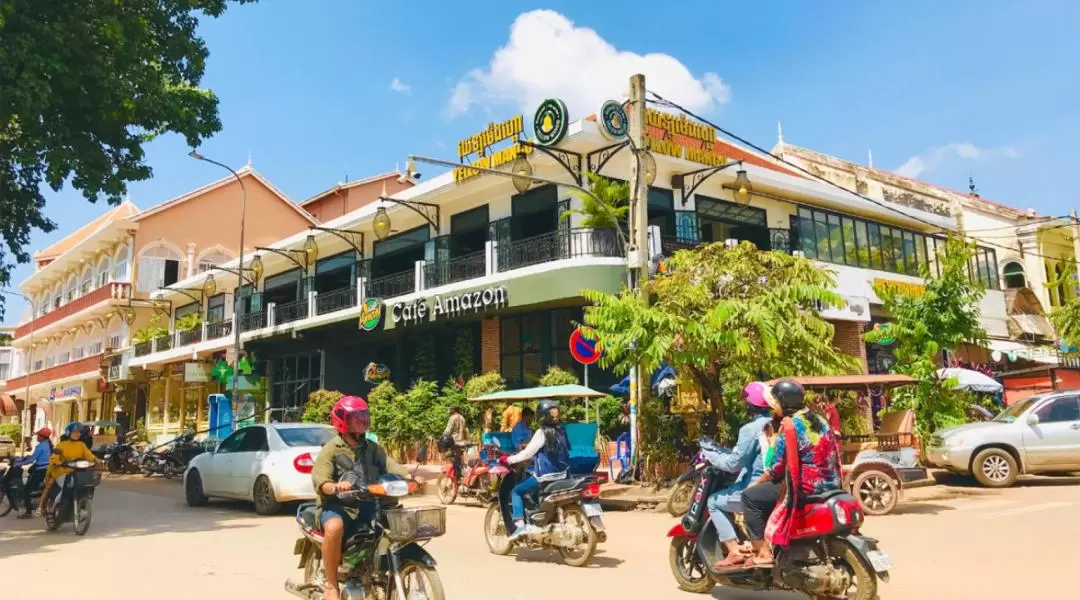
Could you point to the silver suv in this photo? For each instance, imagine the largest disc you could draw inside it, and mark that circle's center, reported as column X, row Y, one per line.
column 1040, row 434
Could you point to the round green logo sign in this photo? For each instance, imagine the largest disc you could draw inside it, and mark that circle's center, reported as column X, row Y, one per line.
column 887, row 338
column 613, row 122
column 551, row 122
column 370, row 314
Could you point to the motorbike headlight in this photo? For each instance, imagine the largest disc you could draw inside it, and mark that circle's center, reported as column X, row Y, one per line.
column 954, row 442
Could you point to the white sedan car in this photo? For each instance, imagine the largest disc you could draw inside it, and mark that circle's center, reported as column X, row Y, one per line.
column 265, row 464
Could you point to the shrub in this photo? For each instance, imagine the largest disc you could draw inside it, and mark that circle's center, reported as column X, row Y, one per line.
column 381, row 402
column 12, row 430
column 319, row 403
column 558, row 376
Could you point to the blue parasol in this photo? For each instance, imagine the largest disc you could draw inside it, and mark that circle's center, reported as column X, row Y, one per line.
column 623, row 387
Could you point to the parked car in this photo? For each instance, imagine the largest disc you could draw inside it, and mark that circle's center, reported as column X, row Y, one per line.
column 8, row 447
column 265, row 464
column 1040, row 434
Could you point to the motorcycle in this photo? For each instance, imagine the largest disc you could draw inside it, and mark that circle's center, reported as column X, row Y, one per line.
column 77, row 500
column 121, row 457
column 827, row 556
column 384, row 558
column 682, row 494
column 567, row 511
column 475, row 482
column 11, row 488
column 173, row 461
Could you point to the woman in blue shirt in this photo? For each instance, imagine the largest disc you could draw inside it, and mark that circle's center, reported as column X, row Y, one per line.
column 39, row 462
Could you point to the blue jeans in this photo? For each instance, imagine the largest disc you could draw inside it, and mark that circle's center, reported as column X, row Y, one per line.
column 721, row 505
column 517, row 497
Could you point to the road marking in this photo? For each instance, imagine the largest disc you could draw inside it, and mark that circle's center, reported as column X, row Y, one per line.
column 1025, row 509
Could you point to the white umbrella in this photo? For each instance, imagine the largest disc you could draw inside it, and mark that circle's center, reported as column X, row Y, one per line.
column 974, row 381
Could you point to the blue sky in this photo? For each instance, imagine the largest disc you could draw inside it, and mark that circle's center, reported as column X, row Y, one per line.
column 939, row 90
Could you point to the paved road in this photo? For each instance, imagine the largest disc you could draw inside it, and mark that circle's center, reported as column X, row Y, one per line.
column 947, row 543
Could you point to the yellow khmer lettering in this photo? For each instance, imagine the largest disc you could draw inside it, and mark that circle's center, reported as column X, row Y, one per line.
column 492, row 134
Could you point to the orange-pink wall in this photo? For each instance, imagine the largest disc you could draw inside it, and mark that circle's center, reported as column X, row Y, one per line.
column 336, row 204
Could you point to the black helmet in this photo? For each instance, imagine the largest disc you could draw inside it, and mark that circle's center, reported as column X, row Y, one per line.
column 446, row 443
column 544, row 412
column 790, row 395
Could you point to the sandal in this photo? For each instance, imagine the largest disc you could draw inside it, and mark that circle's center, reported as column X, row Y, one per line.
column 732, row 562
column 756, row 563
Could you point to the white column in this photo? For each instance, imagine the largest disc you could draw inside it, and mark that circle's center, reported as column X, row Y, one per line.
column 489, row 258
column 418, row 272
column 270, row 314
column 361, row 290
column 190, row 259
column 312, row 295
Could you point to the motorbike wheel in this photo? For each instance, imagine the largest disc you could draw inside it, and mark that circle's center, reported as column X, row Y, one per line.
column 877, row 493
column 314, row 573
column 679, row 501
column 447, row 489
column 421, row 583
column 114, row 465
column 581, row 554
column 690, row 573
column 495, row 532
column 864, row 580
column 81, row 513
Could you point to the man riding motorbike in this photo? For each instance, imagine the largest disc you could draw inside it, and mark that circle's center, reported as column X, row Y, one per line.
column 351, row 419
column 522, row 431
column 551, row 448
column 39, row 464
column 67, row 450
column 818, row 468
column 746, row 459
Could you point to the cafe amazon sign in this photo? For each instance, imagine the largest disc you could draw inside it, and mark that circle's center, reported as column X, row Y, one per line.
column 677, row 136
column 479, row 145
column 448, row 305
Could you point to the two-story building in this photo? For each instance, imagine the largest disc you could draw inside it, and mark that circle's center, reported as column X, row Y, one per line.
column 468, row 272
column 91, row 292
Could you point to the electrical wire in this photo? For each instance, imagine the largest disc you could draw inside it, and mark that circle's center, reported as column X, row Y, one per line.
column 660, row 100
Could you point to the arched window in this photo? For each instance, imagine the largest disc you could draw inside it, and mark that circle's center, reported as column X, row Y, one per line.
column 159, row 266
column 57, row 296
column 1014, row 276
column 86, row 281
column 120, row 265
column 212, row 258
column 103, row 271
column 71, row 289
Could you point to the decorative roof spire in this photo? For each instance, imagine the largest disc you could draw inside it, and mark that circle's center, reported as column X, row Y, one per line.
column 971, row 186
column 249, row 157
column 779, row 133
column 870, row 158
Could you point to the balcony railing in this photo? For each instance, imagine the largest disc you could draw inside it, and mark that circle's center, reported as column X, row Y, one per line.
column 164, row 342
column 191, row 336
column 463, row 267
column 558, row 245
column 218, row 329
column 397, row 284
column 252, row 321
column 290, row 311
column 335, row 300
column 143, row 348
column 113, row 291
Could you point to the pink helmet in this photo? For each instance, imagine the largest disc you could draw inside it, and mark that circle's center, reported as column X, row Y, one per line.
column 755, row 393
column 350, row 415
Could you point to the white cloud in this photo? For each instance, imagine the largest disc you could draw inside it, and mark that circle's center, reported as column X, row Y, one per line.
column 401, row 87
column 934, row 158
column 548, row 56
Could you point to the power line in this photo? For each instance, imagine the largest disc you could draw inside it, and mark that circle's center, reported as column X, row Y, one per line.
column 665, row 102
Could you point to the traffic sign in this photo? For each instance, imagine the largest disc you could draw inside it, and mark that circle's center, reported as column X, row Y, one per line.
column 583, row 350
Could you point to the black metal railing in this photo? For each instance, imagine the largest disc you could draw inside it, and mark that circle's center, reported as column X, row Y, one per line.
column 218, row 329
column 670, row 245
column 390, row 286
column 335, row 300
column 460, row 268
column 781, row 240
column 290, row 311
column 191, row 336
column 163, row 342
column 143, row 348
column 558, row 245
column 252, row 321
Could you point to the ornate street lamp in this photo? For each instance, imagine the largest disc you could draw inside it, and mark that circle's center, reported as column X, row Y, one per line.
column 311, row 249
column 381, row 223
column 648, row 164
column 522, row 170
column 209, row 286
column 743, row 187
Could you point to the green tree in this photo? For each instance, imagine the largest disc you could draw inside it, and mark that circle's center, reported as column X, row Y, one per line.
column 1066, row 318
column 319, row 403
column 724, row 316
column 83, row 85
column 942, row 318
column 605, row 208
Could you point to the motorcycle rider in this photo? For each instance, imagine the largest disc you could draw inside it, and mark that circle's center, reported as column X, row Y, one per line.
column 457, row 432
column 39, row 464
column 67, row 450
column 746, row 459
column 551, row 448
column 351, row 419
column 818, row 468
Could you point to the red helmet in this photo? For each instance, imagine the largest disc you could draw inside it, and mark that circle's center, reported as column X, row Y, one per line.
column 350, row 415
column 44, row 432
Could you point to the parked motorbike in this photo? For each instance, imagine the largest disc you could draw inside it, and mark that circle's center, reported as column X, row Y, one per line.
column 827, row 556
column 11, row 488
column 383, row 558
column 682, row 494
column 76, row 501
column 472, row 479
column 566, row 510
column 173, row 460
column 121, row 457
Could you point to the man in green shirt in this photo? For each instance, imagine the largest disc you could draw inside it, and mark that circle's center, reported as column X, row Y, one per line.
column 350, row 417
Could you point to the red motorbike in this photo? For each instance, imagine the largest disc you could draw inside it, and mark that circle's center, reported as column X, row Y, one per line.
column 472, row 479
column 827, row 557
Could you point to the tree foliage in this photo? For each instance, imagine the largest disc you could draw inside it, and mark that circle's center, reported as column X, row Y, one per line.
column 725, row 316
column 319, row 404
column 942, row 318
column 606, row 207
column 83, row 85
column 1066, row 318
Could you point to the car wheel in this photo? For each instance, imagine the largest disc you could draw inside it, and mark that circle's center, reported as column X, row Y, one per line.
column 193, row 490
column 995, row 468
column 265, row 502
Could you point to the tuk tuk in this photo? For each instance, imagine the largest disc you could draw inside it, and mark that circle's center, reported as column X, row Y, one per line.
column 876, row 466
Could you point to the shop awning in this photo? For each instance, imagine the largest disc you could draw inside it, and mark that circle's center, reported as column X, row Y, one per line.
column 537, row 393
column 7, row 406
column 1046, row 355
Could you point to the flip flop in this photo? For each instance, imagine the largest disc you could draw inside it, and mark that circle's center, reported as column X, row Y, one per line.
column 752, row 563
column 732, row 562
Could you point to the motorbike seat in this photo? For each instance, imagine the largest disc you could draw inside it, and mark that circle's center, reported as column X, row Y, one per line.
column 561, row 485
column 821, row 498
column 305, row 515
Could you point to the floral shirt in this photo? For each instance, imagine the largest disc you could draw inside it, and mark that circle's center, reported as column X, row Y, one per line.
column 819, row 454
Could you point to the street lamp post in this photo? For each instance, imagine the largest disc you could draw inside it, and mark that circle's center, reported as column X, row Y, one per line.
column 240, row 267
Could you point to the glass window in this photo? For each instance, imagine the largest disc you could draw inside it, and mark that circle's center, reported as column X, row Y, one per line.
column 920, row 249
column 255, row 441
column 296, row 437
column 836, row 238
column 1061, row 410
column 187, row 309
column 807, row 235
column 233, row 442
column 1014, row 276
column 215, row 308
column 821, row 231
column 851, row 250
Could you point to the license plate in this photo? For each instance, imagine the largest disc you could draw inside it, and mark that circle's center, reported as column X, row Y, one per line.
column 592, row 510
column 299, row 547
column 880, row 560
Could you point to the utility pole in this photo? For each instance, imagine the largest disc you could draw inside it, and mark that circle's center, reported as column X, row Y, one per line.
column 638, row 259
column 1076, row 251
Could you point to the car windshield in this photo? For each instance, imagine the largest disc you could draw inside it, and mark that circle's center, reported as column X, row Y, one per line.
column 1010, row 414
column 304, row 436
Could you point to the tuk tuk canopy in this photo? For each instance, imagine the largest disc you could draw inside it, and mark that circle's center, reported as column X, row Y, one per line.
column 538, row 393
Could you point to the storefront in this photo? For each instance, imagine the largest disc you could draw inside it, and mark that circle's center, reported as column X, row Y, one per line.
column 176, row 399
